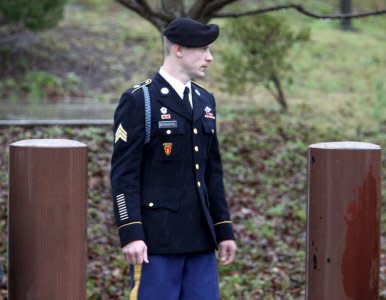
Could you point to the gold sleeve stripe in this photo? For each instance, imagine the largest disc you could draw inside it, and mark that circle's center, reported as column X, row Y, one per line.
column 137, row 279
column 131, row 223
column 223, row 222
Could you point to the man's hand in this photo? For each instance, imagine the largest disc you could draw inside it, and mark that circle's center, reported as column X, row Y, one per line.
column 227, row 251
column 136, row 253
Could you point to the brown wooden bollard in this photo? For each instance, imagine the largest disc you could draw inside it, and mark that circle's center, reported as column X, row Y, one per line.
column 47, row 220
column 343, row 223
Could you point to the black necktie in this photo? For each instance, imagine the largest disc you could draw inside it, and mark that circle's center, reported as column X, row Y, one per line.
column 185, row 99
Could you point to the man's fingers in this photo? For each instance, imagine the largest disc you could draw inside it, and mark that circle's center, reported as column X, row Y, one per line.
column 136, row 256
column 222, row 252
column 135, row 252
column 230, row 256
column 128, row 258
column 141, row 254
column 139, row 258
column 225, row 255
column 132, row 257
column 227, row 252
column 145, row 257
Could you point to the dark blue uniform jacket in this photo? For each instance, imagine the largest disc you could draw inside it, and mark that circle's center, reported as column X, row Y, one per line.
column 169, row 192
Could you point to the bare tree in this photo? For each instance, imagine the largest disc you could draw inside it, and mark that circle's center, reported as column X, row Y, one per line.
column 205, row 10
column 202, row 10
column 171, row 7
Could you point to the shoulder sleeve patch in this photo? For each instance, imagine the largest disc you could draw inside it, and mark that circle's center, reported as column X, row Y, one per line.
column 138, row 86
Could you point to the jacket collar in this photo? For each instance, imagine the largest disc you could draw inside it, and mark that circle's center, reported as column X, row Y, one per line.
column 169, row 97
column 177, row 85
column 199, row 103
column 171, row 100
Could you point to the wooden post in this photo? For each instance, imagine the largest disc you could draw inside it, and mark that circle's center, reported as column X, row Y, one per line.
column 345, row 8
column 343, row 224
column 47, row 220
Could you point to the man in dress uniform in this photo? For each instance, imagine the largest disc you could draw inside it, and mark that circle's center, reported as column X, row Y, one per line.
column 167, row 178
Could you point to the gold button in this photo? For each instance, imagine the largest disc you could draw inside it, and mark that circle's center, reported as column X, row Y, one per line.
column 197, row 166
column 168, row 131
column 151, row 204
column 196, row 148
column 198, row 183
column 195, row 130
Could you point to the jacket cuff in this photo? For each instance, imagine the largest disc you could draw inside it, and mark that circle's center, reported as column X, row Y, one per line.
column 130, row 232
column 224, row 231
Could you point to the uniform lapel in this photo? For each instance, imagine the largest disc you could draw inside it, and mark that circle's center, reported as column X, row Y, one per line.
column 170, row 99
column 198, row 104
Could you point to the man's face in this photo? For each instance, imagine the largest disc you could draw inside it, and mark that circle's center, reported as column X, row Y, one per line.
column 195, row 61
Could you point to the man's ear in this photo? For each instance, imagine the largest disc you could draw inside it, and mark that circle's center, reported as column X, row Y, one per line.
column 178, row 51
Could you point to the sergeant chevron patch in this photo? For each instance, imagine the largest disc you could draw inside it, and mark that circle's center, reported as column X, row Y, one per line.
column 120, row 134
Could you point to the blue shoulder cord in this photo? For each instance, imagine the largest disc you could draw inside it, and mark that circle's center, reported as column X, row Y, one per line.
column 147, row 113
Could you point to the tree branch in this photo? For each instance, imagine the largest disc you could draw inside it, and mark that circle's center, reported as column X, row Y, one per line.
column 142, row 8
column 300, row 9
column 134, row 6
column 212, row 6
column 174, row 8
column 196, row 8
column 144, row 4
column 218, row 4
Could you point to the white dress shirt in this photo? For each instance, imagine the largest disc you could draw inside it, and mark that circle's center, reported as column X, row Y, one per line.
column 177, row 85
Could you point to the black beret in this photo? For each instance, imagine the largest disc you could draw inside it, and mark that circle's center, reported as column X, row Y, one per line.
column 191, row 33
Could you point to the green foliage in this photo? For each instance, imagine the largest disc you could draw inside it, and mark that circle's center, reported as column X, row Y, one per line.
column 34, row 14
column 39, row 86
column 259, row 48
column 277, row 210
column 39, row 83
